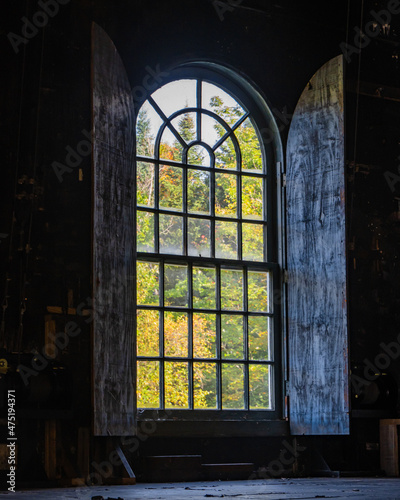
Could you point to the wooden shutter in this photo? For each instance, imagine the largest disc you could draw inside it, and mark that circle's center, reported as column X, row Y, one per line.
column 113, row 241
column 316, row 256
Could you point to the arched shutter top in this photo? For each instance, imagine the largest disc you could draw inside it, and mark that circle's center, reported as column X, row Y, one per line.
column 316, row 252
column 113, row 241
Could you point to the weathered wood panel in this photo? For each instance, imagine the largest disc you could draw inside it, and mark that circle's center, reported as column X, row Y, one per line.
column 113, row 241
column 316, row 246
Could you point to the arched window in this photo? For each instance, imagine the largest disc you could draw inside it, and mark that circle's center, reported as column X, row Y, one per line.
column 207, row 328
column 208, row 291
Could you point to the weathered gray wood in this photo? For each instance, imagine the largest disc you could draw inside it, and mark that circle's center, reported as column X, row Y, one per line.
column 316, row 251
column 113, row 241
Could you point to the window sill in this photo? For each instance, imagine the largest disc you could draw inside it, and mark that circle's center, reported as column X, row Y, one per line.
column 216, row 428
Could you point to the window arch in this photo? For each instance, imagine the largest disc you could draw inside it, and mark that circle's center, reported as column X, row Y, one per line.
column 207, row 330
column 315, row 270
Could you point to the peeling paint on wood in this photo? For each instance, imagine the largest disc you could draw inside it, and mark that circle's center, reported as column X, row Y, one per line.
column 113, row 241
column 317, row 308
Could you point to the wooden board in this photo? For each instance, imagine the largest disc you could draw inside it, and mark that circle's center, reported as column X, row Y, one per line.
column 389, row 446
column 113, row 241
column 316, row 256
column 50, row 452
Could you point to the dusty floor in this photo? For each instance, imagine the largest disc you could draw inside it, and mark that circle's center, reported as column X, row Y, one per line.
column 273, row 489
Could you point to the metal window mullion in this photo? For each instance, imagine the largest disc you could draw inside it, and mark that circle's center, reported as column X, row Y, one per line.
column 190, row 334
column 209, row 261
column 239, row 214
column 218, row 337
column 246, row 316
column 185, row 209
column 246, row 340
column 246, row 386
column 212, row 206
column 198, row 104
column 167, row 123
column 230, row 131
column 157, row 207
column 200, row 216
column 211, row 360
column 266, row 211
column 161, row 337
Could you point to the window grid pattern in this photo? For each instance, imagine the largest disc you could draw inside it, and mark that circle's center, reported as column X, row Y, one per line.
column 217, row 230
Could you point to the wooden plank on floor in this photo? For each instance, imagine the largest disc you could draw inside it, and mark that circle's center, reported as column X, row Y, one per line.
column 83, row 451
column 389, row 446
column 50, row 453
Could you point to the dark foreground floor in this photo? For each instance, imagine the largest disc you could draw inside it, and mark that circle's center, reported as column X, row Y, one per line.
column 274, row 489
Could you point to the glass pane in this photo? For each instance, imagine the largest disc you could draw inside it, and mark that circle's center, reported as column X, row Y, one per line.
column 253, row 242
column 252, row 197
column 199, row 237
column 259, row 338
column 232, row 386
column 198, row 192
column 231, row 289
column 232, row 345
column 175, row 334
column 175, row 285
column 148, row 384
column 225, row 155
column 176, row 95
column 204, row 385
column 148, row 292
column 220, row 102
column 198, row 155
column 211, row 130
column 204, row 335
column 249, row 146
column 170, row 147
column 258, row 291
column 147, row 126
column 176, row 377
column 259, row 387
column 171, row 234
column 226, row 195
column 171, row 190
column 204, row 287
column 186, row 125
column 144, row 231
column 145, row 184
column 226, row 242
column 147, row 338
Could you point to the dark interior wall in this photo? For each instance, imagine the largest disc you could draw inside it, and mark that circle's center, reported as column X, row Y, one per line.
column 277, row 45
column 373, row 194
column 45, row 102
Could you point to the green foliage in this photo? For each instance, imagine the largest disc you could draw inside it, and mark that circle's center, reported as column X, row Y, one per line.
column 186, row 128
column 228, row 200
column 144, row 139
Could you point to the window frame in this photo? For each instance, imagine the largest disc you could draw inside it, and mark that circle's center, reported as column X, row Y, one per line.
column 244, row 92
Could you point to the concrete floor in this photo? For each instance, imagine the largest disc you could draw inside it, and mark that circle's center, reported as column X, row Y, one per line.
column 273, row 489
